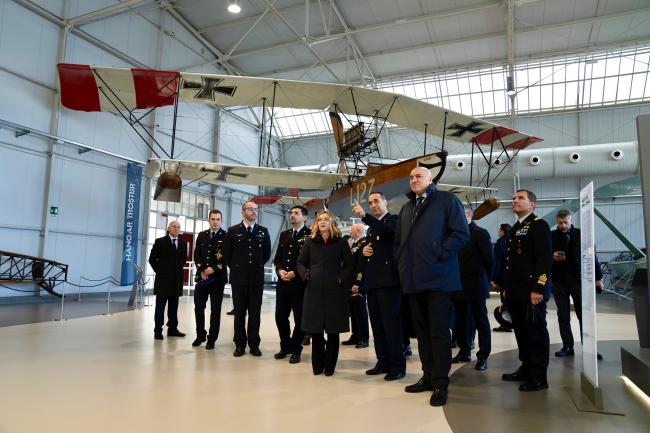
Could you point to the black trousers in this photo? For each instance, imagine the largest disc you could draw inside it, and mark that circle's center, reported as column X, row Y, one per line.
column 529, row 323
column 430, row 312
column 359, row 318
column 172, row 313
column 285, row 303
column 472, row 316
column 384, row 309
column 561, row 293
column 201, row 294
column 324, row 355
column 247, row 299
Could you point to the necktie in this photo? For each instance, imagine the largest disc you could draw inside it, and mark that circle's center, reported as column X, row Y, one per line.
column 174, row 242
column 418, row 205
column 250, row 229
column 295, row 234
column 213, row 235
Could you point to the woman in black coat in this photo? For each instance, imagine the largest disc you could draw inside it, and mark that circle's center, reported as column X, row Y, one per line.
column 326, row 264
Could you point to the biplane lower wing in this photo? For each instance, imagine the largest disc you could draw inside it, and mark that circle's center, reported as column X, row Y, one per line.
column 466, row 194
column 218, row 173
column 288, row 200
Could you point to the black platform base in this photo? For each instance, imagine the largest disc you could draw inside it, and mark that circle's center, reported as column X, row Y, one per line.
column 635, row 364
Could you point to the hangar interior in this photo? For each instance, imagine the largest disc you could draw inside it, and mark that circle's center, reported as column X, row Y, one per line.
column 576, row 73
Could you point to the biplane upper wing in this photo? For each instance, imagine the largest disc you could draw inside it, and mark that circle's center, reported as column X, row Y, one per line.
column 467, row 193
column 287, row 200
column 216, row 173
column 93, row 88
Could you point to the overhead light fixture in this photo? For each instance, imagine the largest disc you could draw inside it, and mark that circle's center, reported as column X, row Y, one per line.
column 233, row 7
column 510, row 86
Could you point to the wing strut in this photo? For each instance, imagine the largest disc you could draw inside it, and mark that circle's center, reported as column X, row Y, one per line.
column 426, row 126
column 132, row 119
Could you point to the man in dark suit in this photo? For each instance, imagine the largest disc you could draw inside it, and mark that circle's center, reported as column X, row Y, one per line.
column 476, row 263
column 210, row 279
column 431, row 231
column 566, row 277
column 290, row 290
column 167, row 259
column 528, row 265
column 357, row 299
column 246, row 249
column 380, row 279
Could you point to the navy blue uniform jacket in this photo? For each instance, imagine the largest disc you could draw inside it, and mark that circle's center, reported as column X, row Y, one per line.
column 380, row 269
column 246, row 254
column 427, row 245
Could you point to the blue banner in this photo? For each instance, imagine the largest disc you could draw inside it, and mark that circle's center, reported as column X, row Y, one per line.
column 131, row 219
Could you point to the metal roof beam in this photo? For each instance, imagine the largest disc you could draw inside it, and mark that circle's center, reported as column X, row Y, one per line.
column 102, row 13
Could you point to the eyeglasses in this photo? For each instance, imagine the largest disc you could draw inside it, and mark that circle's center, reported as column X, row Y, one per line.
column 251, row 209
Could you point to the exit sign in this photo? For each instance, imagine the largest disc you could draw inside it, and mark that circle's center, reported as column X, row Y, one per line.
column 54, row 210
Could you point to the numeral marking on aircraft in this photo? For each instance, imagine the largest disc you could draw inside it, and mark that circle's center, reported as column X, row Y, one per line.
column 361, row 191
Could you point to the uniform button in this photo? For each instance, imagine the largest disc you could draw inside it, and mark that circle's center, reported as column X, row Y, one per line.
column 507, row 267
column 289, row 252
column 250, row 262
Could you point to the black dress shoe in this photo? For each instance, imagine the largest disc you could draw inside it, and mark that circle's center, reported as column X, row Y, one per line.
column 329, row 372
column 198, row 341
column 280, row 355
column 374, row 371
column 317, row 371
column 439, row 396
column 158, row 336
column 502, row 329
column 461, row 358
column 294, row 358
column 255, row 351
column 407, row 351
column 175, row 333
column 517, row 376
column 239, row 351
column 533, row 385
column 564, row 352
column 306, row 341
column 350, row 342
column 481, row 364
column 420, row 386
column 361, row 345
column 209, row 345
column 231, row 312
column 394, row 376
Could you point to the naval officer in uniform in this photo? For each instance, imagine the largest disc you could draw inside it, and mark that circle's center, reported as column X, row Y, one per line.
column 211, row 278
column 528, row 265
column 246, row 249
column 290, row 290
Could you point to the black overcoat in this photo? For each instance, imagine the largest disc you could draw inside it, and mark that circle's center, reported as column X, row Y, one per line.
column 327, row 269
column 167, row 262
column 476, row 263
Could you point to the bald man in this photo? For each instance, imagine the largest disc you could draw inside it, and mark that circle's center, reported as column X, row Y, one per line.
column 167, row 259
column 432, row 229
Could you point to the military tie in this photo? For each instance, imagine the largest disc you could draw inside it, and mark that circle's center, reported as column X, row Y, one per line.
column 295, row 234
column 250, row 230
column 213, row 235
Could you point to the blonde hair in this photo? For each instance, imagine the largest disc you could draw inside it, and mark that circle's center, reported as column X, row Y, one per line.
column 334, row 230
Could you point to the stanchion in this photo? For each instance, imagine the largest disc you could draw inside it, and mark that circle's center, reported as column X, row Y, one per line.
column 79, row 290
column 61, row 319
column 108, row 302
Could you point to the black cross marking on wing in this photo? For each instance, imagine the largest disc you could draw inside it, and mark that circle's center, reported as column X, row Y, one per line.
column 208, row 87
column 473, row 127
column 223, row 173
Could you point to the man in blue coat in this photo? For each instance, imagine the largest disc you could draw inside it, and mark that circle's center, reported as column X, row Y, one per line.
column 432, row 229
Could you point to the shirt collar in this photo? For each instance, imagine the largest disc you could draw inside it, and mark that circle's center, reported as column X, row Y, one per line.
column 173, row 239
column 252, row 226
column 523, row 218
column 298, row 229
column 382, row 215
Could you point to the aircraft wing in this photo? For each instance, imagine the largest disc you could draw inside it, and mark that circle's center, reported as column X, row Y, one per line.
column 218, row 173
column 467, row 193
column 93, row 88
column 287, row 200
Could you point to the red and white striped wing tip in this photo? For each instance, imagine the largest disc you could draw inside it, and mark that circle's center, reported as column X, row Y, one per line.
column 511, row 138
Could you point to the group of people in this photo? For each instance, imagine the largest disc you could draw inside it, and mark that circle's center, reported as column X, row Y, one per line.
column 429, row 257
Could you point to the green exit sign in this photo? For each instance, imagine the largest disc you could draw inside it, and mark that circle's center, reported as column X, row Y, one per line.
column 54, row 210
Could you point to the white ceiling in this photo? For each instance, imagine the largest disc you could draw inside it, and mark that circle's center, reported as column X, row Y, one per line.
column 390, row 38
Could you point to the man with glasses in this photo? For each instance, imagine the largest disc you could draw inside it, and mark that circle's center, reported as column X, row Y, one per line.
column 246, row 249
column 290, row 289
